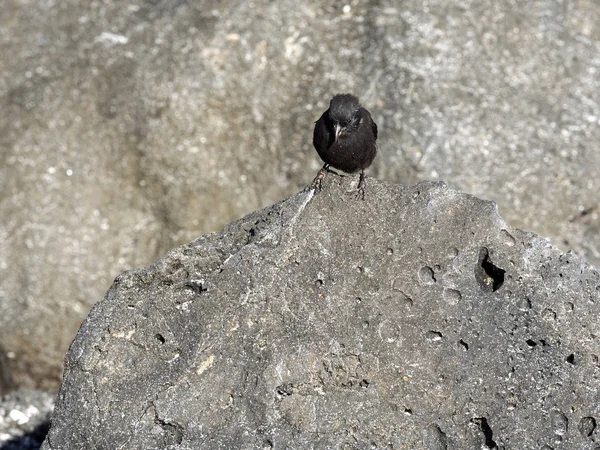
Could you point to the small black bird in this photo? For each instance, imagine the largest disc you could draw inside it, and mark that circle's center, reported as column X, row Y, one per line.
column 345, row 138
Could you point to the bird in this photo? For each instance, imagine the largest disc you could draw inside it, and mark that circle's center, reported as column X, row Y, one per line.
column 345, row 138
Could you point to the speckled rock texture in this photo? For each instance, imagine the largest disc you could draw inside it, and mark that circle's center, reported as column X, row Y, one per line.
column 127, row 128
column 415, row 319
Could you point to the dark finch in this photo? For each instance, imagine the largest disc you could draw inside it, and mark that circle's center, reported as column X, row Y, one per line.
column 345, row 138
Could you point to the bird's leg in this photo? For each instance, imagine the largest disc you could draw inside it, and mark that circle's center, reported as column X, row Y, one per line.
column 317, row 182
column 362, row 186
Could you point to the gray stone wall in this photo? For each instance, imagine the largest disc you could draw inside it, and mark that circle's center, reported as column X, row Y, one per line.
column 127, row 128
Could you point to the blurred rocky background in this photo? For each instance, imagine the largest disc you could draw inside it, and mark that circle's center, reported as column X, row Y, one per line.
column 127, row 128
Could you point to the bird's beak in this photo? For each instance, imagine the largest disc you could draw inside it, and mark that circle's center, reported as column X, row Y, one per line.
column 338, row 130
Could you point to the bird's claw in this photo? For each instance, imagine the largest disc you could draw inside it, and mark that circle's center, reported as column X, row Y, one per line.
column 362, row 187
column 360, row 194
column 317, row 183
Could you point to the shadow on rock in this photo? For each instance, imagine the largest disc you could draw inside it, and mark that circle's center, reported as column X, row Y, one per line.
column 29, row 441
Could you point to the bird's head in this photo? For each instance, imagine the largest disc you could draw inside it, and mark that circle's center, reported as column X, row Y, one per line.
column 344, row 113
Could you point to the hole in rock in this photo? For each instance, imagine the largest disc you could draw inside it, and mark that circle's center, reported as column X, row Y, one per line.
column 433, row 336
column 285, row 389
column 531, row 343
column 586, row 426
column 571, row 358
column 196, row 286
column 160, row 338
column 489, row 276
column 427, row 275
column 486, row 430
column 173, row 431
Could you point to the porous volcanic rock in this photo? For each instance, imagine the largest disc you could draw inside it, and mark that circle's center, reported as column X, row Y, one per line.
column 415, row 319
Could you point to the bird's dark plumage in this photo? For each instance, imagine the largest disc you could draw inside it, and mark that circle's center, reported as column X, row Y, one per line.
column 344, row 138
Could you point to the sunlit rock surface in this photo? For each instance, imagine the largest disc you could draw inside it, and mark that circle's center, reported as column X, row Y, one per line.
column 415, row 319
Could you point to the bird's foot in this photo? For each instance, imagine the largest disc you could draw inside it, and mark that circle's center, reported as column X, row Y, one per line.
column 362, row 187
column 317, row 183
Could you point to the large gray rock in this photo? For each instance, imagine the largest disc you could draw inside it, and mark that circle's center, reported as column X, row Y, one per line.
column 414, row 319
column 127, row 128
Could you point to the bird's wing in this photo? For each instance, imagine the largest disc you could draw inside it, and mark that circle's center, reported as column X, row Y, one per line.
column 322, row 138
column 374, row 127
column 373, row 124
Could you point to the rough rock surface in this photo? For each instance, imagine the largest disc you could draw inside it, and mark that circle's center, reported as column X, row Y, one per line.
column 127, row 128
column 415, row 319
